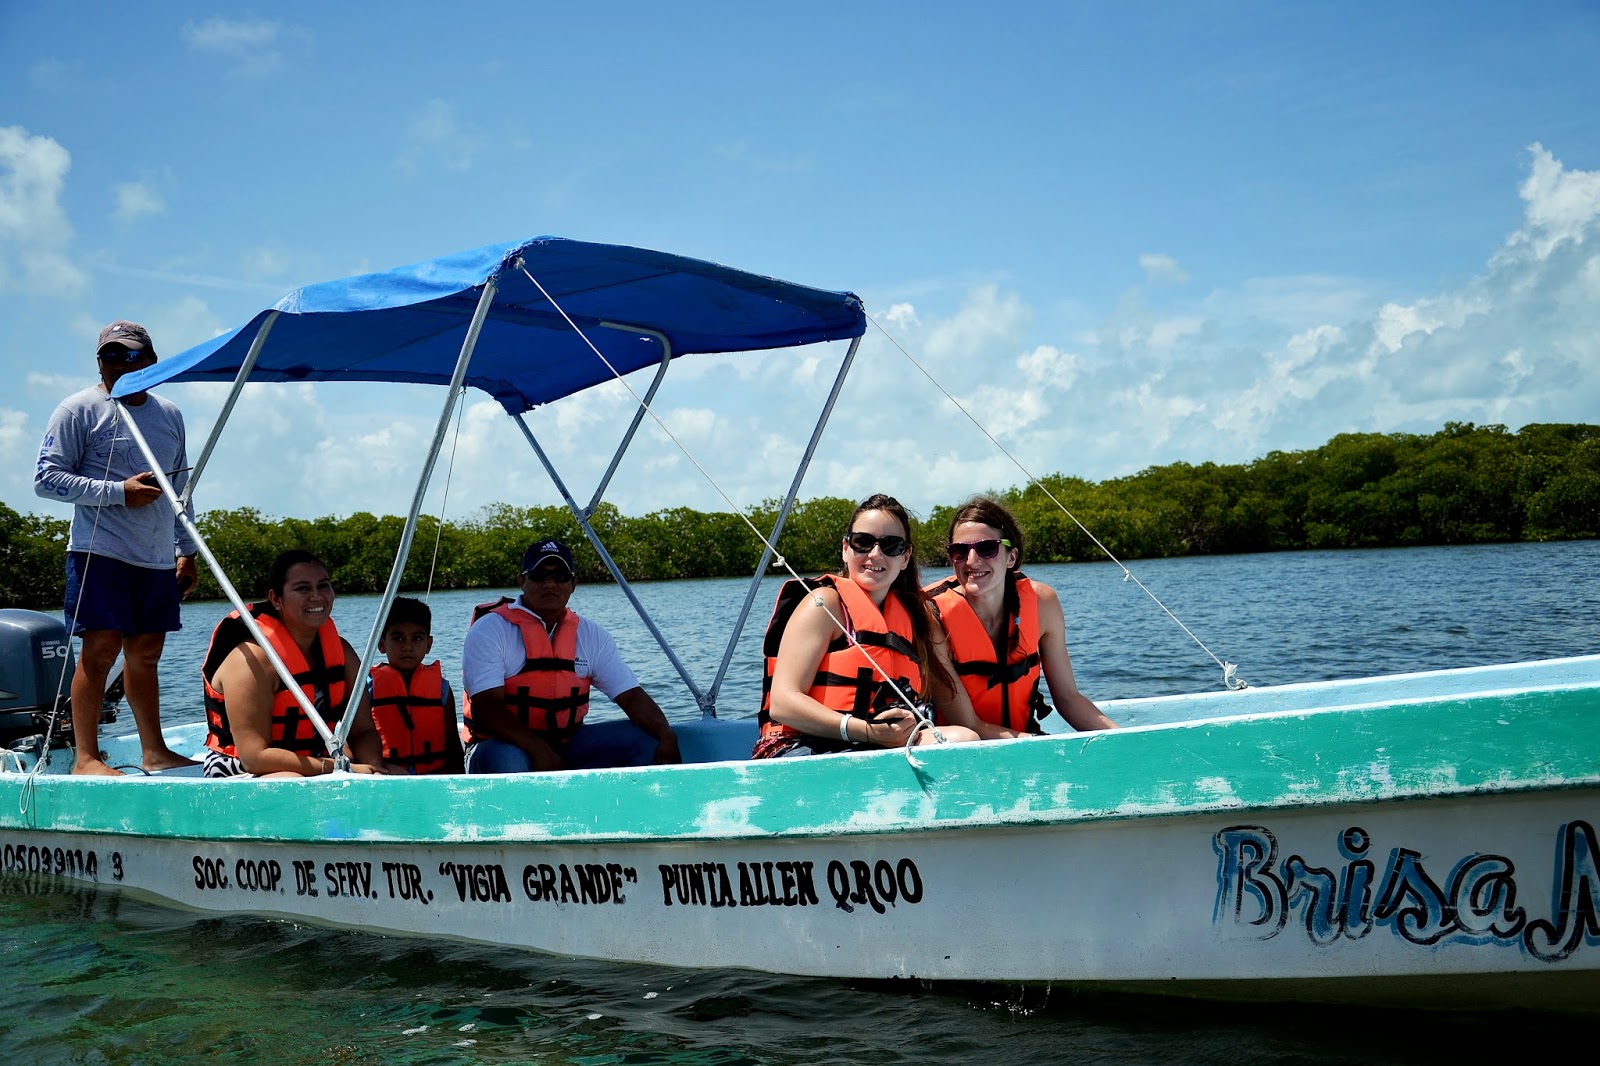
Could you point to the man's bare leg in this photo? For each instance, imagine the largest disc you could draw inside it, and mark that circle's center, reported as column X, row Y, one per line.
column 100, row 647
column 141, row 658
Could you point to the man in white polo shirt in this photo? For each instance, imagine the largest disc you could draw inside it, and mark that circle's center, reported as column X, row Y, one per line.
column 528, row 665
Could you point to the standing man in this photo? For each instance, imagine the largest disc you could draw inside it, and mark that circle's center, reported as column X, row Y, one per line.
column 128, row 563
column 528, row 665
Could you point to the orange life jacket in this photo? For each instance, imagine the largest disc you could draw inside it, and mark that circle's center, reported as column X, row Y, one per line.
column 846, row 679
column 323, row 683
column 546, row 694
column 411, row 717
column 1003, row 694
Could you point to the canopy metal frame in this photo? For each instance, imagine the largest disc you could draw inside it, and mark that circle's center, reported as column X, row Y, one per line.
column 705, row 698
column 335, row 739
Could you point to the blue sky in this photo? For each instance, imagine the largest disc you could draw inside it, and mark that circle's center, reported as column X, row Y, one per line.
column 1123, row 235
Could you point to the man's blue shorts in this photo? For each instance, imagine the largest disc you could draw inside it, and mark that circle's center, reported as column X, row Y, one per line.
column 120, row 596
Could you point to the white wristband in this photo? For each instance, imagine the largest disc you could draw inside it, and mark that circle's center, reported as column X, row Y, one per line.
column 844, row 728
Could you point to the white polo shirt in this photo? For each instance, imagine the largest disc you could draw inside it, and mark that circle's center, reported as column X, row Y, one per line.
column 493, row 651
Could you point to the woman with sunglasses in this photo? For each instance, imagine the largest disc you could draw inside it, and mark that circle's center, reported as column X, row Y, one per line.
column 846, row 653
column 1005, row 630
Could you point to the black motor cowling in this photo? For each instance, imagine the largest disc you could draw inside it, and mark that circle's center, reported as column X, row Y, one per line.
column 36, row 665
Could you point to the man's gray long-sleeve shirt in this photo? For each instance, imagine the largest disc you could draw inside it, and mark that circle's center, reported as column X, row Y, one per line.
column 88, row 453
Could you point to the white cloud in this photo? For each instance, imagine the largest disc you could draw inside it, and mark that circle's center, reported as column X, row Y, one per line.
column 902, row 316
column 1561, row 205
column 183, row 323
column 988, row 317
column 1166, row 334
column 1518, row 343
column 1225, row 375
column 1295, row 303
column 19, row 447
column 264, row 263
column 1047, row 365
column 53, row 386
column 435, row 137
column 1159, row 268
column 35, row 235
column 252, row 47
column 1275, row 363
column 15, row 437
column 687, row 423
column 136, row 200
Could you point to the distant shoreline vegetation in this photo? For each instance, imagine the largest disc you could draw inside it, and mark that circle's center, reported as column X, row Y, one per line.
column 1465, row 484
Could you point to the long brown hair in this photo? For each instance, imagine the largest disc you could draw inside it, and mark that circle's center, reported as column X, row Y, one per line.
column 987, row 512
column 907, row 588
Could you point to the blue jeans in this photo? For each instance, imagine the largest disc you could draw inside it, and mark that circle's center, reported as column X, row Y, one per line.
column 594, row 745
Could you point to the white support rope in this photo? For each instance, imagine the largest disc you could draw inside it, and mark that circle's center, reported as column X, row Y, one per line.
column 449, row 471
column 1230, row 678
column 777, row 557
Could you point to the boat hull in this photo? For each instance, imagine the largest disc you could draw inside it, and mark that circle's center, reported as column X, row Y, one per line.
column 1474, row 894
column 1346, row 852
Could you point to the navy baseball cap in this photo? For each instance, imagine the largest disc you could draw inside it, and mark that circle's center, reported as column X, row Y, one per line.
column 543, row 550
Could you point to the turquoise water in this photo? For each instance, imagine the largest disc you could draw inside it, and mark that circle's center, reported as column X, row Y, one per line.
column 94, row 976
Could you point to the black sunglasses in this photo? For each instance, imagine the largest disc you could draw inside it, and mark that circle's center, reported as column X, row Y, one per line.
column 986, row 549
column 116, row 353
column 863, row 543
column 548, row 573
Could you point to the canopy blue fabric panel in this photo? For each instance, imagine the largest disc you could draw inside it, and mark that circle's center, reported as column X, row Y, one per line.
column 408, row 324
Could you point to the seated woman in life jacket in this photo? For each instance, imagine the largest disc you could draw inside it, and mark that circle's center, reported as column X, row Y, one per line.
column 254, row 724
column 844, row 653
column 1005, row 630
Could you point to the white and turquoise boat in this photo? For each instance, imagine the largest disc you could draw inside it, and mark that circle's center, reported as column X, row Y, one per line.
column 1417, row 839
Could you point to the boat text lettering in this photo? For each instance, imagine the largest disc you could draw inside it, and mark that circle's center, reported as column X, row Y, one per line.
column 874, row 886
column 210, row 873
column 259, row 875
column 405, row 882
column 879, row 885
column 248, row 875
column 581, row 882
column 761, row 884
column 1476, row 903
column 480, row 882
column 33, row 859
column 349, row 879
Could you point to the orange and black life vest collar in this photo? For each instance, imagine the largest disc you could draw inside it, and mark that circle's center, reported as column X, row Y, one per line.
column 411, row 717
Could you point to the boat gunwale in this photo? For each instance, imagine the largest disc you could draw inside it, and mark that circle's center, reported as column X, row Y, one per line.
column 1535, row 740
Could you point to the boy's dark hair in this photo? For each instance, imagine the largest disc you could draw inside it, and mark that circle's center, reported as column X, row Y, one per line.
column 408, row 611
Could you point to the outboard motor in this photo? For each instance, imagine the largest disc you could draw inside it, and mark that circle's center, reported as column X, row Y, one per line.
column 36, row 662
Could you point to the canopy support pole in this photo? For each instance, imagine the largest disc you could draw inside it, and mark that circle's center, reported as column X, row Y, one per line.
column 278, row 665
column 239, row 380
column 777, row 526
column 638, row 416
column 452, row 396
column 611, row 564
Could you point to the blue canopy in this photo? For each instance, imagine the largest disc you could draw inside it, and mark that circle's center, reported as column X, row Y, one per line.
column 408, row 324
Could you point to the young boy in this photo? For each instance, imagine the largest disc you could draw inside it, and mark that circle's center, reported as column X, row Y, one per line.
column 412, row 704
